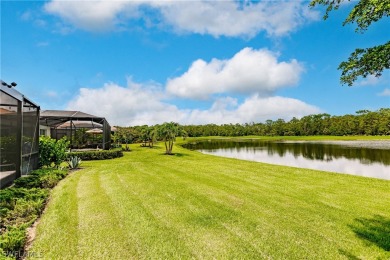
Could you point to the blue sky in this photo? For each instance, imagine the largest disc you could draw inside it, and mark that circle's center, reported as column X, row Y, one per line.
column 193, row 62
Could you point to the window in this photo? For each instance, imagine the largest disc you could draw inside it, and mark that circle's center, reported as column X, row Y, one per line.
column 42, row 132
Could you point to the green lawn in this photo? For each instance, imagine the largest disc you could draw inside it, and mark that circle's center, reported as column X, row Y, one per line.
column 147, row 205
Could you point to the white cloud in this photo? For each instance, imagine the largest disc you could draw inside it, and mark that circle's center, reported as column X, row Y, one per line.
column 228, row 18
column 370, row 80
column 99, row 15
column 385, row 92
column 217, row 18
column 132, row 105
column 253, row 109
column 248, row 71
column 139, row 104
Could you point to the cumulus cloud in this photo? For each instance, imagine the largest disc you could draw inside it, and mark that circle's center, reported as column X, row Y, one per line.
column 385, row 92
column 100, row 15
column 370, row 80
column 139, row 104
column 217, row 18
column 249, row 71
column 135, row 104
column 253, row 109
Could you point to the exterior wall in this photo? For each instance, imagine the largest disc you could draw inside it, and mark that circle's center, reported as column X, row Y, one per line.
column 44, row 130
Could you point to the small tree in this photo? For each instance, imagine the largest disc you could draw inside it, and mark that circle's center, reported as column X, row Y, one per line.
column 168, row 133
column 126, row 136
column 52, row 152
column 148, row 135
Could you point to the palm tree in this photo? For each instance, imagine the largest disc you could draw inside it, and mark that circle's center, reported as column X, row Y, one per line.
column 168, row 132
column 148, row 135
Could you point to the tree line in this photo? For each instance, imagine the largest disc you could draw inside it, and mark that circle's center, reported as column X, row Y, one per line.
column 364, row 122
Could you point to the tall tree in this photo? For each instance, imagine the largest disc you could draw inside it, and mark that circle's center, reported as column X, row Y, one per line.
column 362, row 62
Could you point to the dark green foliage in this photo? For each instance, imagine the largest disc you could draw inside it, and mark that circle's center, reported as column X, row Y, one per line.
column 52, row 152
column 42, row 178
column 365, row 62
column 97, row 155
column 363, row 123
column 21, row 205
column 13, row 239
column 124, row 135
column 28, row 182
column 24, row 211
column 48, row 181
column 168, row 133
column 9, row 196
column 362, row 62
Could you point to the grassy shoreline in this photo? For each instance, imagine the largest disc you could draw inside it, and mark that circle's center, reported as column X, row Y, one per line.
column 190, row 205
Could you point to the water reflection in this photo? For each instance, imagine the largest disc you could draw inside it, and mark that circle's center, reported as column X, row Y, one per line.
column 362, row 160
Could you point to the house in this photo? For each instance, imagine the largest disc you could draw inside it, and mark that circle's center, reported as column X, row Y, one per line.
column 77, row 126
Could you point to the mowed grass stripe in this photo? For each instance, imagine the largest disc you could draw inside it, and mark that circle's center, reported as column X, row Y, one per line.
column 150, row 235
column 100, row 230
column 57, row 234
column 198, row 206
column 175, row 205
column 222, row 193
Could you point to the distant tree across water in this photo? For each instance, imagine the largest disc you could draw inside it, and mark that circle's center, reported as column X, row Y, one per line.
column 364, row 122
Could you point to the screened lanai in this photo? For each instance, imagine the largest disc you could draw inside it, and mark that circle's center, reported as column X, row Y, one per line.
column 19, row 126
column 77, row 126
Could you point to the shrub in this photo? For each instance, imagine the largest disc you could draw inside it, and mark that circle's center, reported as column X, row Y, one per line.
column 52, row 152
column 42, row 178
column 21, row 205
column 97, row 155
column 13, row 239
column 9, row 196
column 25, row 211
column 49, row 181
column 31, row 181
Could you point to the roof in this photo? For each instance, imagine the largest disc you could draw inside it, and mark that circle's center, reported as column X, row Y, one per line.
column 56, row 118
column 65, row 113
column 16, row 94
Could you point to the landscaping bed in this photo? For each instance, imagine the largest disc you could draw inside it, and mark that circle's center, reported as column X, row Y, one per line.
column 21, row 205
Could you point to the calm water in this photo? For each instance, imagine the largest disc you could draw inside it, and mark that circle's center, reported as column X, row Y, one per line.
column 364, row 158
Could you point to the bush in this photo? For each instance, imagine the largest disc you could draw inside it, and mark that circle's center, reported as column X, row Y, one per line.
column 42, row 178
column 13, row 239
column 52, row 152
column 7, row 196
column 21, row 205
column 25, row 211
column 49, row 181
column 28, row 182
column 97, row 155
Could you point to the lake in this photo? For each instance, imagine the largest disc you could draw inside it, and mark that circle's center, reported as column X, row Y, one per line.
column 363, row 158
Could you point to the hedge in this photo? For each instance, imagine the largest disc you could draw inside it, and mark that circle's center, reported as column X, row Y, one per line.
column 21, row 205
column 97, row 155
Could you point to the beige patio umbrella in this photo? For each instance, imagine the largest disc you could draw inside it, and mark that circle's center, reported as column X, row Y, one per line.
column 95, row 131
